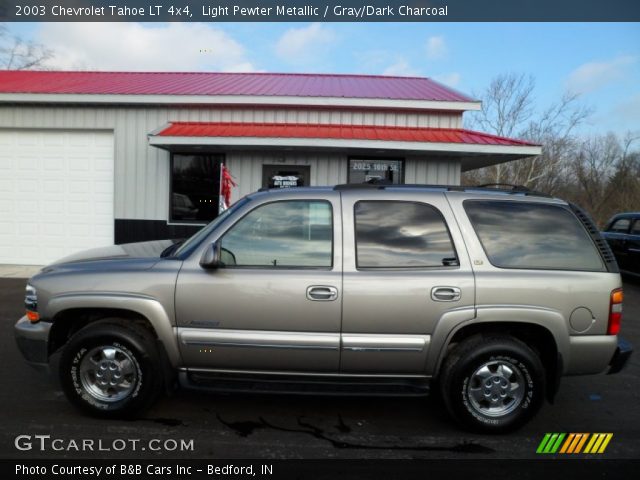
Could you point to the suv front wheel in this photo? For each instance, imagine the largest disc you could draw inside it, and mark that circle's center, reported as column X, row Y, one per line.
column 492, row 383
column 110, row 369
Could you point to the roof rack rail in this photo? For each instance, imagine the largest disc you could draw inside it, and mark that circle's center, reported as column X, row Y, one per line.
column 490, row 187
column 514, row 189
column 382, row 186
column 511, row 186
column 359, row 186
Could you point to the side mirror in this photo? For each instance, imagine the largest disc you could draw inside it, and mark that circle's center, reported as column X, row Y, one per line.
column 211, row 257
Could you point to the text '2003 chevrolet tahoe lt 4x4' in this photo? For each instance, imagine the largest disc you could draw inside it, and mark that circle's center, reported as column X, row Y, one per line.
column 490, row 295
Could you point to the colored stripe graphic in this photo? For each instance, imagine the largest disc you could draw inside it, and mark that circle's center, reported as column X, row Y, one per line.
column 607, row 439
column 581, row 443
column 543, row 443
column 594, row 439
column 573, row 443
column 567, row 443
column 556, row 445
column 598, row 443
column 576, row 439
column 550, row 443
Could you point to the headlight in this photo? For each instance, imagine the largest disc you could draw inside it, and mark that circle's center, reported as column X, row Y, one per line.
column 31, row 304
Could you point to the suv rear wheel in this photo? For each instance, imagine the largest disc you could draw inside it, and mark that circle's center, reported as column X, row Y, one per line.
column 492, row 383
column 109, row 368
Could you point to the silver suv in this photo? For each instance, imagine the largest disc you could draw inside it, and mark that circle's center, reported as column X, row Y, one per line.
column 488, row 295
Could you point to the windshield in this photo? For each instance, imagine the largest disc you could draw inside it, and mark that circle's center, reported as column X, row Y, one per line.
column 199, row 236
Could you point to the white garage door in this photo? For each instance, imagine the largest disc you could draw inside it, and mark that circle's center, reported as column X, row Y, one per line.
column 56, row 194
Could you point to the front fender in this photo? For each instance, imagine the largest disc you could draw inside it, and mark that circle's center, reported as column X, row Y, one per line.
column 144, row 305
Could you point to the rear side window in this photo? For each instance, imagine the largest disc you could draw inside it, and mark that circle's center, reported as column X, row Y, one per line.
column 620, row 226
column 532, row 236
column 398, row 234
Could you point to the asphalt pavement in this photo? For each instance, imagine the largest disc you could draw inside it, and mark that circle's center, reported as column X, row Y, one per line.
column 196, row 425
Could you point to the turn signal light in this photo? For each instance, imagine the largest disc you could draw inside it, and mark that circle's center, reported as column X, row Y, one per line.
column 31, row 303
column 615, row 312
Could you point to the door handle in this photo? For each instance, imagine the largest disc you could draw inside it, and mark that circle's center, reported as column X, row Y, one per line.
column 445, row 294
column 322, row 293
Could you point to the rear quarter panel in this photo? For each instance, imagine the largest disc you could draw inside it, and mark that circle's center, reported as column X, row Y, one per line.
column 545, row 297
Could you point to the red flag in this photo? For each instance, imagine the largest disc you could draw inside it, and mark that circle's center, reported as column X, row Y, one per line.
column 226, row 184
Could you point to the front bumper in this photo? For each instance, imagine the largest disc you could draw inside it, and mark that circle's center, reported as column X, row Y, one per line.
column 620, row 357
column 32, row 340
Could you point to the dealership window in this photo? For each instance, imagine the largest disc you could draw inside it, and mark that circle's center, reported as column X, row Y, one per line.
column 288, row 234
column 394, row 234
column 195, row 187
column 285, row 176
column 372, row 170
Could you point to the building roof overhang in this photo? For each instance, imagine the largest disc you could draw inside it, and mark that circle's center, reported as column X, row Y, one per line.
column 213, row 88
column 472, row 149
column 239, row 100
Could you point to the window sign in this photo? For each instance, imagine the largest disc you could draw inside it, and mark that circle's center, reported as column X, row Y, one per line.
column 280, row 181
column 285, row 176
column 376, row 171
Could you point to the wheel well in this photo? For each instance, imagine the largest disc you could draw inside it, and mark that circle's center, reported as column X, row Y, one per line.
column 535, row 336
column 68, row 322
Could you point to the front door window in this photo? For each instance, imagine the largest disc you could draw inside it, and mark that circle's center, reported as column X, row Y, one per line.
column 290, row 234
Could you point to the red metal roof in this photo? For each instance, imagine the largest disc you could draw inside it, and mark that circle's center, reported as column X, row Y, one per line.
column 344, row 132
column 251, row 84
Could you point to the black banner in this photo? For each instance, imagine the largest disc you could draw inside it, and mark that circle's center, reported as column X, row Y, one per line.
column 319, row 10
column 583, row 469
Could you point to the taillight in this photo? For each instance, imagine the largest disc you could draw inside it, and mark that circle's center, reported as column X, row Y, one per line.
column 615, row 312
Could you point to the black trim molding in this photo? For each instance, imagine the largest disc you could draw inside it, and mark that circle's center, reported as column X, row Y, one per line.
column 128, row 231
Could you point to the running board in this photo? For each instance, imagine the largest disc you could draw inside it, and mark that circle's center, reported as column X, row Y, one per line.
column 304, row 385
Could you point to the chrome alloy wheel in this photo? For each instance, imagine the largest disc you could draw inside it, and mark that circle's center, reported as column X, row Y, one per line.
column 108, row 373
column 496, row 388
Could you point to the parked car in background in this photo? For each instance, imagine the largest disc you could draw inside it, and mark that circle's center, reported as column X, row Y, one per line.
column 623, row 234
column 183, row 207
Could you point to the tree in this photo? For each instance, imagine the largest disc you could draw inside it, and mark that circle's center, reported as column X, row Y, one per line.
column 506, row 106
column 19, row 54
column 507, row 110
column 554, row 130
column 626, row 196
column 607, row 176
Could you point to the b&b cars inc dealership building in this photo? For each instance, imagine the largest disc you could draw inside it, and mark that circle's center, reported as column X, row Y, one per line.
column 92, row 158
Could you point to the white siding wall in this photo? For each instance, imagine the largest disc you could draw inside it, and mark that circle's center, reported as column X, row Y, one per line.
column 330, row 169
column 142, row 172
column 432, row 171
column 246, row 167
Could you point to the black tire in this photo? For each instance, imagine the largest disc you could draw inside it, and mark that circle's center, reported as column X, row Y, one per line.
column 457, row 380
column 135, row 348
